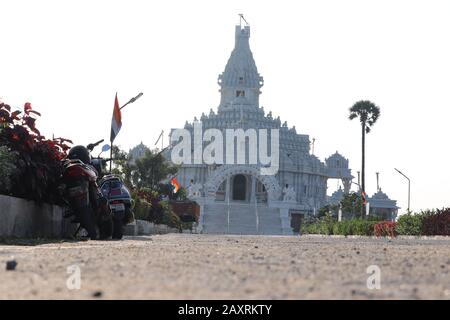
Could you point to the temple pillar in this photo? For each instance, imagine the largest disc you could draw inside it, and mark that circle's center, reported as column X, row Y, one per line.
column 253, row 190
column 228, row 189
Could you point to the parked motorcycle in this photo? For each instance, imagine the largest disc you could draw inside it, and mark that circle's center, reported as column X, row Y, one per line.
column 84, row 197
column 117, row 194
column 120, row 202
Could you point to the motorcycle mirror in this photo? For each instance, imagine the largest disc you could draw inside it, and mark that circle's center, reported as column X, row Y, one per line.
column 106, row 147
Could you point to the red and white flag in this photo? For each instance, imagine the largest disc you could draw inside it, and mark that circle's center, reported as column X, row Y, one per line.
column 116, row 122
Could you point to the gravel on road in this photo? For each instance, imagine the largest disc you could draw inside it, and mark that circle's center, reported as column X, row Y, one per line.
column 192, row 266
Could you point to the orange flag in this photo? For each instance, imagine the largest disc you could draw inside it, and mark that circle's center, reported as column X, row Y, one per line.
column 116, row 122
column 175, row 184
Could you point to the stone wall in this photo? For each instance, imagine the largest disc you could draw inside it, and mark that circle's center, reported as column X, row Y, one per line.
column 20, row 218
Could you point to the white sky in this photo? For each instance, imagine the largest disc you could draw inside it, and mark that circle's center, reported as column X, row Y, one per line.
column 68, row 58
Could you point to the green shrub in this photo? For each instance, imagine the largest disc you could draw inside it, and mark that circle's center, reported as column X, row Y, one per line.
column 346, row 227
column 319, row 227
column 8, row 169
column 323, row 225
column 149, row 206
column 364, row 227
column 354, row 227
column 187, row 225
column 410, row 224
column 342, row 228
column 169, row 218
column 142, row 209
column 429, row 222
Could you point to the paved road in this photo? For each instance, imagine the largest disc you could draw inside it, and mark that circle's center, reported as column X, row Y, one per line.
column 182, row 266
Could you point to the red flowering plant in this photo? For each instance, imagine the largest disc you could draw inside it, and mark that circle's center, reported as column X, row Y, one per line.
column 38, row 159
column 385, row 229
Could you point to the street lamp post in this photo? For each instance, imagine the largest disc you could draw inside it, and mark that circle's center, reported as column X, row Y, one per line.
column 130, row 101
column 409, row 186
column 153, row 163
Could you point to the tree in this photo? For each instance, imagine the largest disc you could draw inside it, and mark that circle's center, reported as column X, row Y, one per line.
column 151, row 169
column 147, row 171
column 351, row 203
column 368, row 114
column 328, row 209
column 122, row 165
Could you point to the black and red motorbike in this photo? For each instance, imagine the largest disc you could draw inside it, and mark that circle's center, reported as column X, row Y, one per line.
column 85, row 199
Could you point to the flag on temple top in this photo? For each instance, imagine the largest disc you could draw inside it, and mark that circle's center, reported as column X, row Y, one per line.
column 175, row 184
column 116, row 122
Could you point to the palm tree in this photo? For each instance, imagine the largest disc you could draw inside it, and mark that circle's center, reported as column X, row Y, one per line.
column 368, row 114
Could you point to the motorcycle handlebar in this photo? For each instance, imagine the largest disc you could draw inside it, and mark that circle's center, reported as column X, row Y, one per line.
column 91, row 146
column 104, row 160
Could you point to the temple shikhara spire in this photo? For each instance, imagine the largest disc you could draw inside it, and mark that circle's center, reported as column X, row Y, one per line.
column 240, row 82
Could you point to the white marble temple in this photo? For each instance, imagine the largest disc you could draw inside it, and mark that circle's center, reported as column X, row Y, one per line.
column 237, row 198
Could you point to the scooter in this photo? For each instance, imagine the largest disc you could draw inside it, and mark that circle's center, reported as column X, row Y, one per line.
column 120, row 202
column 85, row 199
column 117, row 194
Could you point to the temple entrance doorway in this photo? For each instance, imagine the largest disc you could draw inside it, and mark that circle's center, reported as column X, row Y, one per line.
column 239, row 187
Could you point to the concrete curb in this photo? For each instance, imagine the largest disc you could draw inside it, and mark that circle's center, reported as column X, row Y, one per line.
column 20, row 218
column 142, row 227
column 401, row 237
column 131, row 229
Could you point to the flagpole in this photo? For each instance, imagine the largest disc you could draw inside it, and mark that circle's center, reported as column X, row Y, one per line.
column 110, row 158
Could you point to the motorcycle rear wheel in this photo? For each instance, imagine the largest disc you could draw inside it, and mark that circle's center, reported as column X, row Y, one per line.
column 87, row 222
column 105, row 228
column 118, row 229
